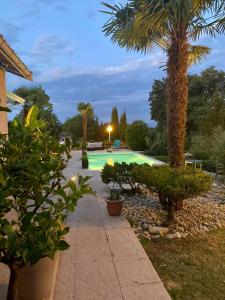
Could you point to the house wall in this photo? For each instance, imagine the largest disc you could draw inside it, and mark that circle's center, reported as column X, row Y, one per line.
column 3, row 115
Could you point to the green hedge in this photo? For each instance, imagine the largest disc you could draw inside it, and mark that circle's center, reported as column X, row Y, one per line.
column 173, row 185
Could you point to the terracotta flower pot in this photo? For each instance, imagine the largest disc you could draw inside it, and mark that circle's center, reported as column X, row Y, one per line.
column 114, row 207
column 36, row 282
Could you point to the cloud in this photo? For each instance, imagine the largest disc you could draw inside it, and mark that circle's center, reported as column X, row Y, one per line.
column 126, row 86
column 47, row 47
column 68, row 71
column 10, row 31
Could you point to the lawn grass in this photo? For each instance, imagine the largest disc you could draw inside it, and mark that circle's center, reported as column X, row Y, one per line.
column 192, row 268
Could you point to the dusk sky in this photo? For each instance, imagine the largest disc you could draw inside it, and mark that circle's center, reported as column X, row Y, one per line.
column 62, row 43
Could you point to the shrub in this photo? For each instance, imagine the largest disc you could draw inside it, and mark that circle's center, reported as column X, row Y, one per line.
column 156, row 142
column 136, row 134
column 114, row 195
column 209, row 147
column 121, row 174
column 172, row 185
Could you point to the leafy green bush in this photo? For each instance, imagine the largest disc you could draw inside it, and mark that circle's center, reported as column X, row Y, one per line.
column 121, row 174
column 209, row 147
column 114, row 195
column 136, row 135
column 34, row 189
column 172, row 185
column 156, row 142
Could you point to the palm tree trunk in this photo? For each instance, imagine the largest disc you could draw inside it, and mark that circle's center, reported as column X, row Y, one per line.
column 11, row 294
column 177, row 94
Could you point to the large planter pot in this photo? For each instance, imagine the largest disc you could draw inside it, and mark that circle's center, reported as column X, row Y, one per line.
column 84, row 162
column 37, row 282
column 114, row 207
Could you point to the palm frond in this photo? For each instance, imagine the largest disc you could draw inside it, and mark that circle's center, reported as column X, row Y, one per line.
column 197, row 53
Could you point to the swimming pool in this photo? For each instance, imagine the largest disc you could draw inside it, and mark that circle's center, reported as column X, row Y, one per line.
column 98, row 160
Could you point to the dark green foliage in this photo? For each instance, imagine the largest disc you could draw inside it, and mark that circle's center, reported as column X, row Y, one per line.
column 37, row 96
column 33, row 188
column 123, row 126
column 157, row 102
column 172, row 185
column 206, row 104
column 114, row 195
column 121, row 174
column 136, row 135
column 209, row 147
column 156, row 142
column 115, row 123
column 73, row 127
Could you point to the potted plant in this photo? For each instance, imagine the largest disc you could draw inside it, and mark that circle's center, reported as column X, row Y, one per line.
column 114, row 202
column 34, row 190
column 84, row 160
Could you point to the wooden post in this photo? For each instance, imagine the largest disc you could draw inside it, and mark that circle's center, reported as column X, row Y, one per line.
column 3, row 102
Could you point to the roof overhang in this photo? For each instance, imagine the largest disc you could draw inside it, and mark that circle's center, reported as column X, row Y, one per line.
column 11, row 62
column 14, row 98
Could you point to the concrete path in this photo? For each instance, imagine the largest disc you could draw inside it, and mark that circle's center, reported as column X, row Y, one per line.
column 105, row 260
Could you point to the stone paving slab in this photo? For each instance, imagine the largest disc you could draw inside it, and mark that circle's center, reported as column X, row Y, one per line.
column 105, row 260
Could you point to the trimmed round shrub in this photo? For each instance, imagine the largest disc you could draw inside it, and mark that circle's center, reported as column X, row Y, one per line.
column 120, row 174
column 173, row 185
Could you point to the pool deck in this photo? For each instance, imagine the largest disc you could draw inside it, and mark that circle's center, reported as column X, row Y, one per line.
column 105, row 260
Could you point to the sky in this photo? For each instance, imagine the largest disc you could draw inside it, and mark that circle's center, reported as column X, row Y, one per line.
column 62, row 43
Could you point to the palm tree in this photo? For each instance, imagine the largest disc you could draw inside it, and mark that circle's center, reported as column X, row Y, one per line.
column 171, row 25
column 86, row 110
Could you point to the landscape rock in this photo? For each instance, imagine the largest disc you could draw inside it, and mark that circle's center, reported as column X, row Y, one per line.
column 155, row 236
column 178, row 235
column 170, row 236
column 199, row 215
column 158, row 230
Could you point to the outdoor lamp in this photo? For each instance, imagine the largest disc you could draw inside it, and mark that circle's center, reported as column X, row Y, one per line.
column 109, row 129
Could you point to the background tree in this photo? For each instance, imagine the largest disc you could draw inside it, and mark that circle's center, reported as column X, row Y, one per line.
column 115, row 123
column 73, row 127
column 171, row 25
column 86, row 111
column 203, row 89
column 136, row 135
column 37, row 96
column 123, row 126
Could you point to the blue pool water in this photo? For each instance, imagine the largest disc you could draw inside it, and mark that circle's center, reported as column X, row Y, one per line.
column 98, row 160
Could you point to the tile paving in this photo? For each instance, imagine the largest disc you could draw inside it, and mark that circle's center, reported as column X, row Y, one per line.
column 105, row 260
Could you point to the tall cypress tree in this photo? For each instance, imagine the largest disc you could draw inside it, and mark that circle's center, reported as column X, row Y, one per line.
column 115, row 122
column 123, row 126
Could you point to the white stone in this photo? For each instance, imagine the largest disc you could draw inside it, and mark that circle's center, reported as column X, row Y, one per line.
column 171, row 236
column 178, row 235
column 158, row 230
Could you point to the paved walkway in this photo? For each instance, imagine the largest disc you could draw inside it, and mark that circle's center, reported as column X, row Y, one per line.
column 105, row 260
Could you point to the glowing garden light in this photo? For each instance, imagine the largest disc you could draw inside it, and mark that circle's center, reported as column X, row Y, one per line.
column 109, row 130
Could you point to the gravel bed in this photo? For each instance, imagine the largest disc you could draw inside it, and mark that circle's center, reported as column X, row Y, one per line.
column 199, row 215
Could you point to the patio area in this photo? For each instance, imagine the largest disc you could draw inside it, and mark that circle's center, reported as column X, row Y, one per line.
column 105, row 260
